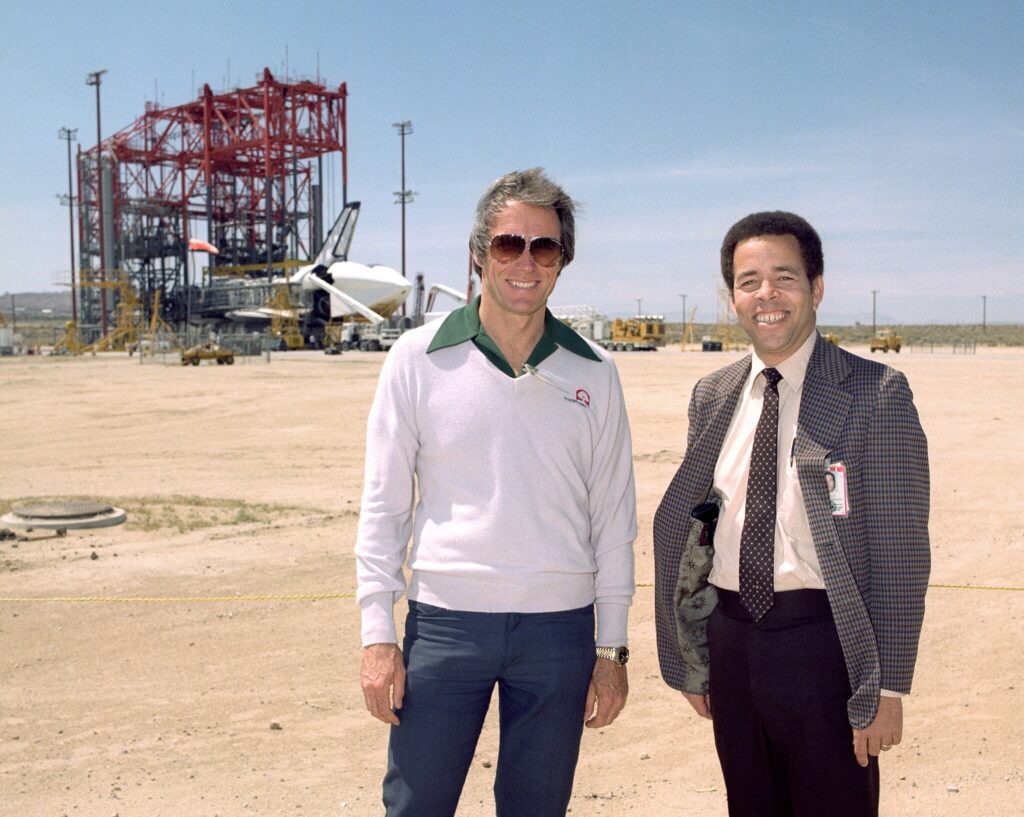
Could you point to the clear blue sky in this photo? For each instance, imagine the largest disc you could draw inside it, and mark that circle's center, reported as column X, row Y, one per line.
column 896, row 128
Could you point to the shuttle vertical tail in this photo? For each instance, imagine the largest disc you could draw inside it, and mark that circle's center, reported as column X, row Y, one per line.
column 339, row 239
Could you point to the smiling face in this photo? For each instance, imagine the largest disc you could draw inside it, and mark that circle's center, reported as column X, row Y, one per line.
column 773, row 300
column 522, row 286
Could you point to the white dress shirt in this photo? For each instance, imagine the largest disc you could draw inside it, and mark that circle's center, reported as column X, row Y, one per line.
column 796, row 561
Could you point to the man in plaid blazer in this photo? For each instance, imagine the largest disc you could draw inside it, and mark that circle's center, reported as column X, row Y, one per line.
column 803, row 699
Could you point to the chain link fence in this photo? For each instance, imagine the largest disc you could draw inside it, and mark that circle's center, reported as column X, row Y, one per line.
column 177, row 348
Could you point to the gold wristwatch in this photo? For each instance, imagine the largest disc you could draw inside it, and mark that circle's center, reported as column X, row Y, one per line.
column 620, row 655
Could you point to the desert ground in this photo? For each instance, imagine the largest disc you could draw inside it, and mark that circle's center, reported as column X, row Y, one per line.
column 215, row 671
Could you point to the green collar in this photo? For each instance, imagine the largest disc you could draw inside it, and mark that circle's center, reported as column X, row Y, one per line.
column 464, row 324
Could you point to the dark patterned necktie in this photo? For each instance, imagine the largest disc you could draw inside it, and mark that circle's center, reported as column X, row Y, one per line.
column 757, row 540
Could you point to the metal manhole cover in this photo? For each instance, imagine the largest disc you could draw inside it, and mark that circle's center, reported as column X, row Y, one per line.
column 64, row 516
column 61, row 510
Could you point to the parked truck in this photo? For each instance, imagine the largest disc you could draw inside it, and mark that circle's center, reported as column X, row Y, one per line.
column 885, row 340
column 207, row 351
column 366, row 337
column 644, row 333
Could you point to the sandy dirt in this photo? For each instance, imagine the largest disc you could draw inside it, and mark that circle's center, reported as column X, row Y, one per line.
column 244, row 481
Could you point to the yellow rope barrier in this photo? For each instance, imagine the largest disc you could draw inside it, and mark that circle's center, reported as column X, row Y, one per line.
column 175, row 599
column 974, row 587
column 313, row 596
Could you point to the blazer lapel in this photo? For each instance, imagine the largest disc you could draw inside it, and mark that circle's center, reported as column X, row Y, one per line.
column 691, row 483
column 721, row 408
column 823, row 406
column 707, row 445
column 823, row 409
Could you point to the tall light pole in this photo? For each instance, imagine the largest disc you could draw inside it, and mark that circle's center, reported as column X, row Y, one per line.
column 404, row 196
column 67, row 134
column 984, row 309
column 681, row 295
column 94, row 78
column 874, row 294
column 639, row 307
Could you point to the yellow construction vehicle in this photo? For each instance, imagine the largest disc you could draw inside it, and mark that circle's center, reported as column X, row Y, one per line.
column 885, row 340
column 644, row 333
column 207, row 351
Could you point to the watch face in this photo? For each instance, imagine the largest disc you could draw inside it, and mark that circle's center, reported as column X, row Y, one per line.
column 623, row 655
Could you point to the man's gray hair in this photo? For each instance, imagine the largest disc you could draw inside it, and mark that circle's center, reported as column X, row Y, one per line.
column 528, row 187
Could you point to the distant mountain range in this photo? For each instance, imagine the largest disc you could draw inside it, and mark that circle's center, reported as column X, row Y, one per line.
column 36, row 304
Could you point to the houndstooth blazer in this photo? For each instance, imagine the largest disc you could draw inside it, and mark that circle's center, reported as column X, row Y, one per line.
column 874, row 561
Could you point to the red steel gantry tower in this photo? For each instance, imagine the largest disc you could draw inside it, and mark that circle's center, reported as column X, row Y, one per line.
column 234, row 169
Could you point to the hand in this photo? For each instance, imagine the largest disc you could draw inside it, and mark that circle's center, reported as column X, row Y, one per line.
column 700, row 703
column 609, row 687
column 382, row 675
column 884, row 732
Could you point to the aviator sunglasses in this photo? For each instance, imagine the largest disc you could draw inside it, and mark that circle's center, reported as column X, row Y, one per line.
column 507, row 247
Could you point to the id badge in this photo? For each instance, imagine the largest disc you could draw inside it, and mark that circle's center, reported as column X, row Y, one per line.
column 838, row 497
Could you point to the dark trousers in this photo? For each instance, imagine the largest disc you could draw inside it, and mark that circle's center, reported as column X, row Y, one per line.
column 541, row 664
column 779, row 689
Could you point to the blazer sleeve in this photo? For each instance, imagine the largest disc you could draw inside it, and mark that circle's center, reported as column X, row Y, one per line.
column 671, row 525
column 896, row 488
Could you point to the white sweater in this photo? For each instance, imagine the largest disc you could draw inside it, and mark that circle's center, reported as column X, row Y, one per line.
column 525, row 502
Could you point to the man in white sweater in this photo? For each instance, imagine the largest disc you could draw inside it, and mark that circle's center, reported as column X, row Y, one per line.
column 498, row 442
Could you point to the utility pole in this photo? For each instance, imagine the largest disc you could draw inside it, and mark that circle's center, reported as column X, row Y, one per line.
column 682, row 330
column 984, row 309
column 405, row 195
column 67, row 134
column 94, row 78
column 639, row 307
column 874, row 294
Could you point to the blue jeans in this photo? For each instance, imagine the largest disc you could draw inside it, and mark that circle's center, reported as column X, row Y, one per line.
column 541, row 662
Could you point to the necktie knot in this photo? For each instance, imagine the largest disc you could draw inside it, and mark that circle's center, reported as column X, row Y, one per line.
column 772, row 377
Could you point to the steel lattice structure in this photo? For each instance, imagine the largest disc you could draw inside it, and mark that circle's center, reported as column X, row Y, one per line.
column 235, row 169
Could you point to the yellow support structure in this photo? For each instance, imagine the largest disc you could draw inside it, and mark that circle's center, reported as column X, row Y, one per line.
column 239, row 270
column 284, row 323
column 125, row 334
column 687, row 334
column 71, row 343
column 158, row 328
column 724, row 330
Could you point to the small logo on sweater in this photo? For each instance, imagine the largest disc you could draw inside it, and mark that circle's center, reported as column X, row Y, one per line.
column 582, row 398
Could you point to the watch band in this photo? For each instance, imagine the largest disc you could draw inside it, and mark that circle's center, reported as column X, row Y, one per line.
column 620, row 655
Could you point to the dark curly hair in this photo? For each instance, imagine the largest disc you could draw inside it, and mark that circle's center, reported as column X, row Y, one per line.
column 776, row 222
